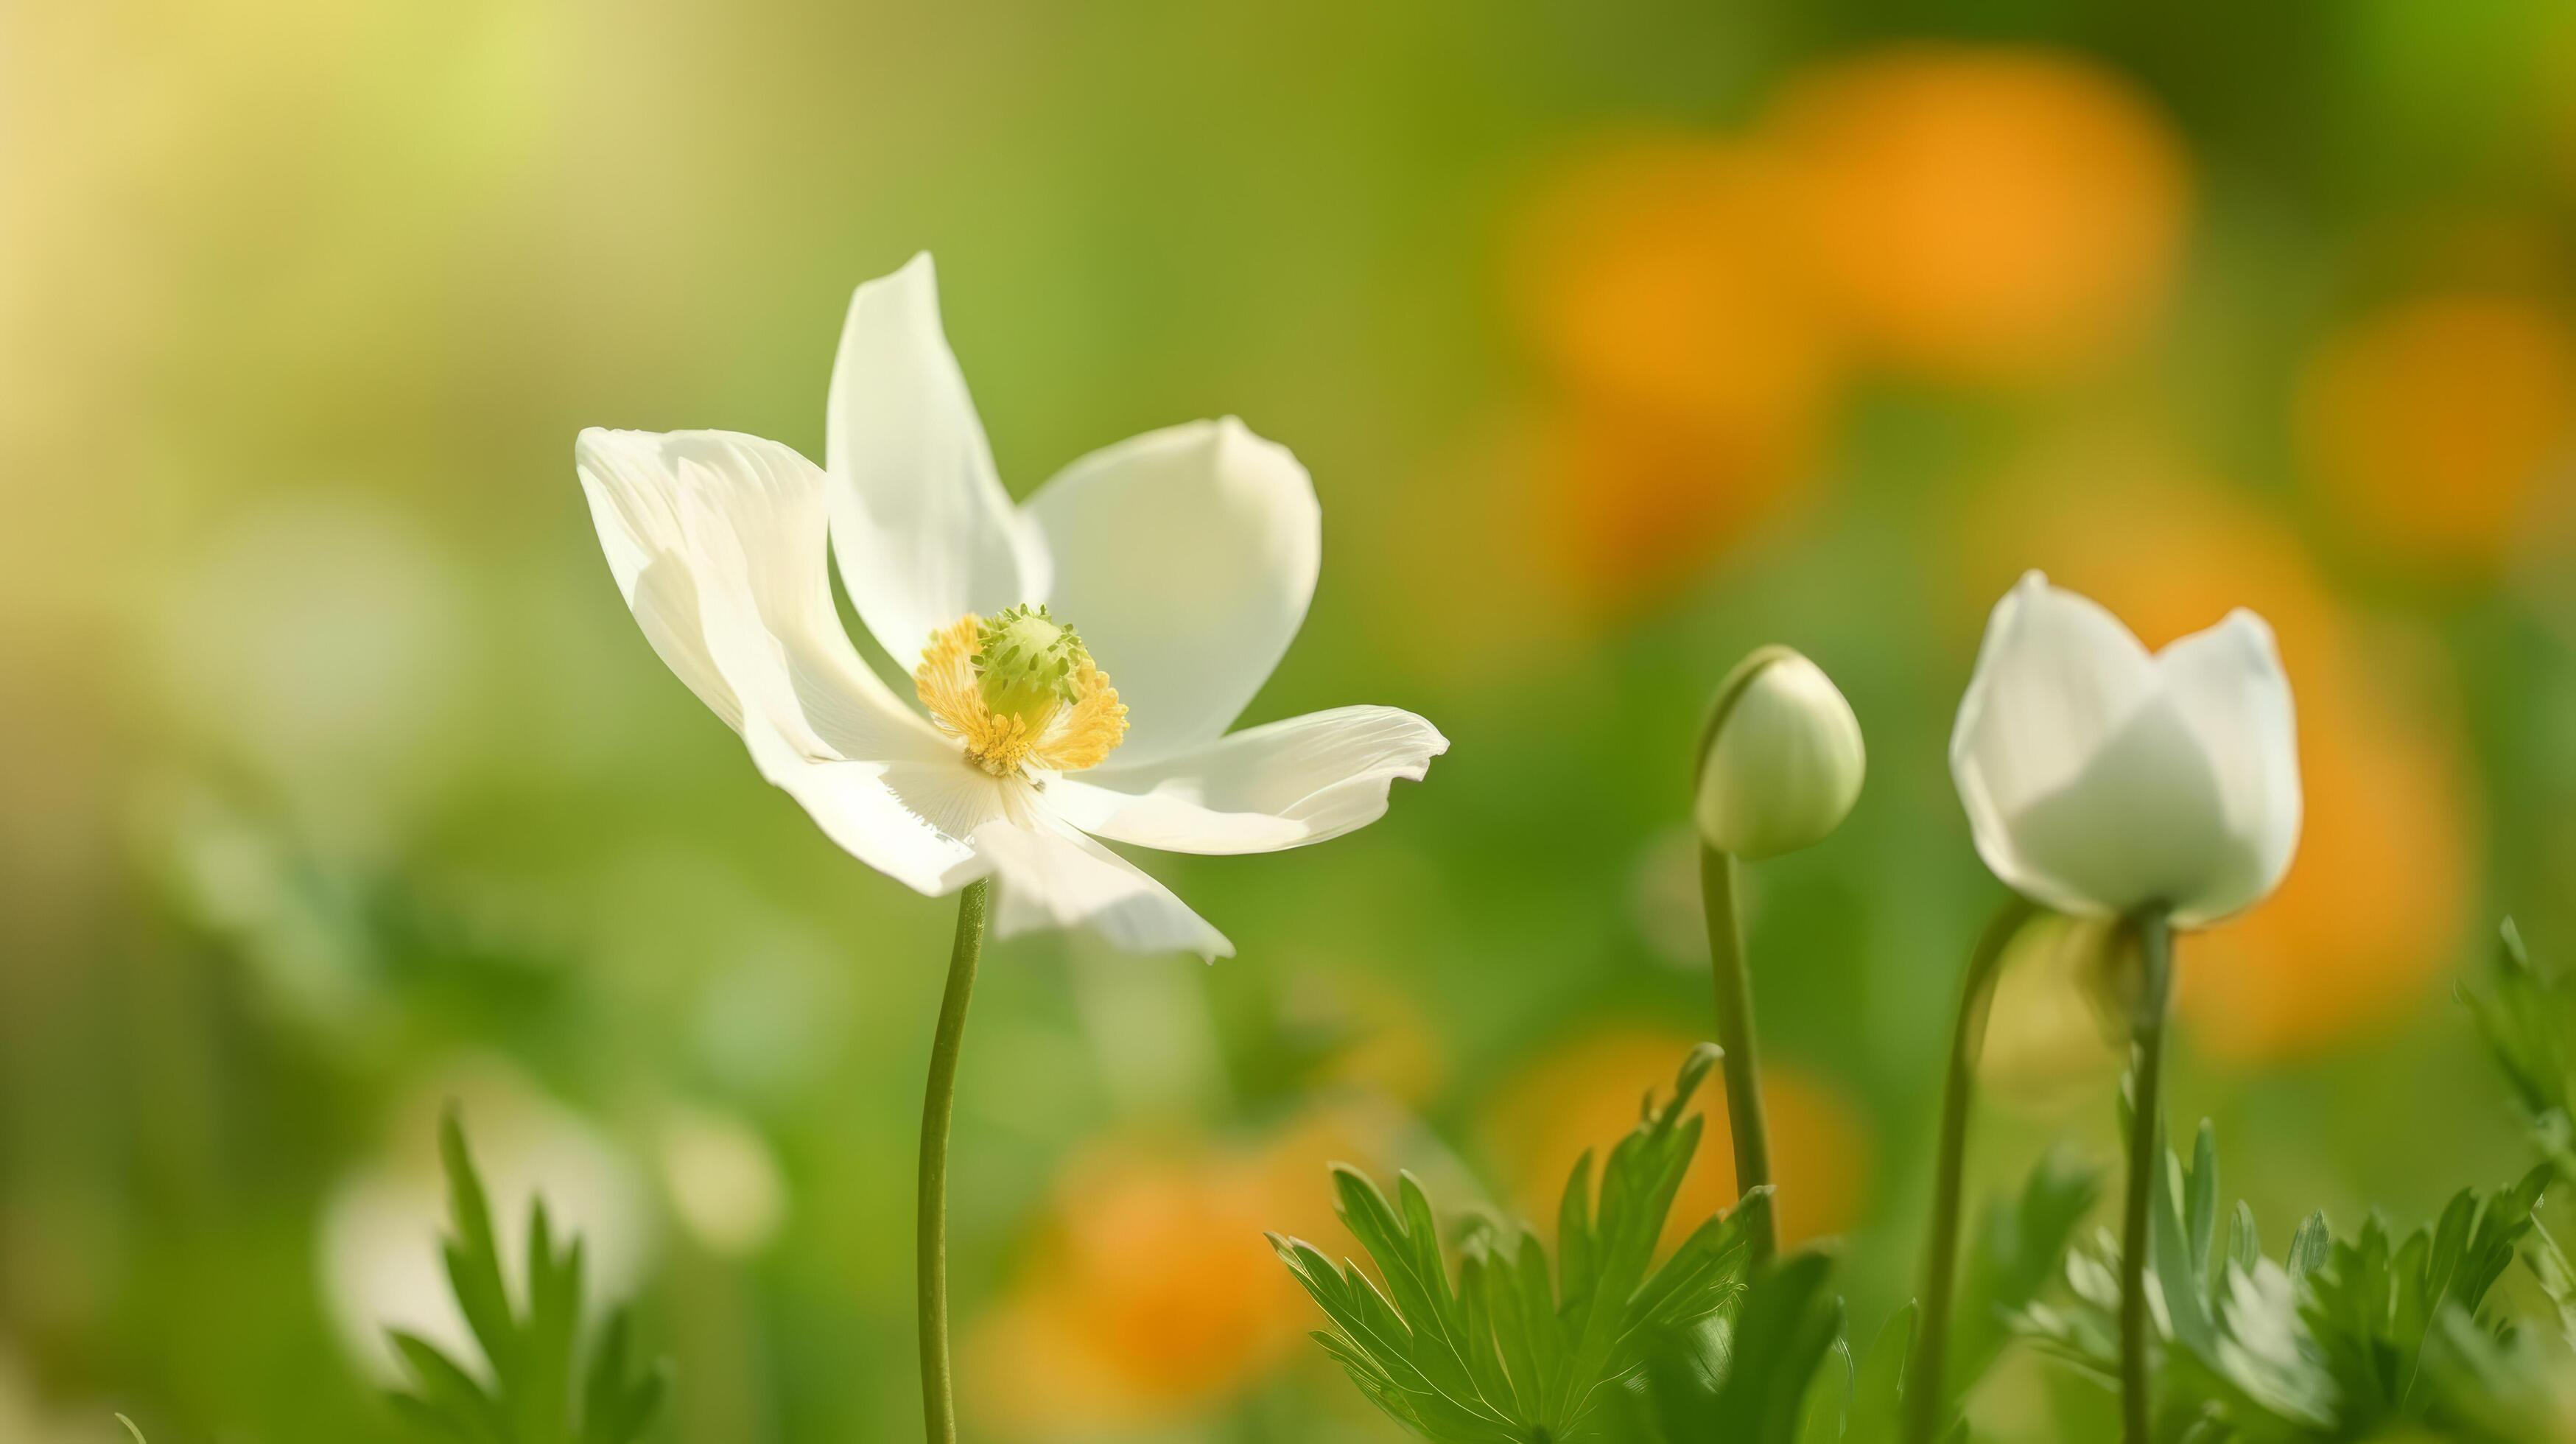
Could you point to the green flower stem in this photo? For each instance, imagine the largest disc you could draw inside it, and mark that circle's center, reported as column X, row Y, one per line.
column 938, row 1386
column 1927, row 1394
column 1745, row 1122
column 2146, row 1119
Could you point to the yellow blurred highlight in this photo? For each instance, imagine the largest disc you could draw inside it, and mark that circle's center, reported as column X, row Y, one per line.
column 1585, row 1094
column 1391, row 1048
column 2052, row 1039
column 1658, row 285
column 2373, row 908
column 1986, row 214
column 2430, row 425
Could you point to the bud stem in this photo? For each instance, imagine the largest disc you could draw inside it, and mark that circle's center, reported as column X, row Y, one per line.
column 1927, row 1391
column 2146, row 1159
column 1746, row 1125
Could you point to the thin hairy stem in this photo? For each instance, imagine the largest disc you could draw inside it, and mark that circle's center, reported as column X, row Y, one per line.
column 1927, row 1392
column 1746, row 1123
column 2146, row 1160
column 938, row 1385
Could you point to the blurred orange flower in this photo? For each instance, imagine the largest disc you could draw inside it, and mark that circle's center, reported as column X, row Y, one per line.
column 1986, row 214
column 1152, row 1294
column 2373, row 908
column 1658, row 286
column 1295, row 1166
column 1655, row 272
column 1624, row 514
column 2429, row 425
column 1585, row 1094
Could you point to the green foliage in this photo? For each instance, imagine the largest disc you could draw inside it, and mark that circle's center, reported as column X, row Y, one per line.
column 1785, row 1371
column 1783, row 1374
column 1511, row 1355
column 2019, row 1252
column 2341, row 1340
column 535, row 1394
column 2528, row 1018
column 1708, row 1349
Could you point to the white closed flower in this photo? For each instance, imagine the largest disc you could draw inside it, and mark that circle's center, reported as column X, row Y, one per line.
column 2101, row 779
column 1179, row 563
column 1782, row 761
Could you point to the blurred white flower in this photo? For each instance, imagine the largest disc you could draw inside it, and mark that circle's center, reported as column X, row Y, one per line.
column 382, row 1227
column 2100, row 779
column 724, row 1182
column 1187, row 556
column 1782, row 761
column 323, row 642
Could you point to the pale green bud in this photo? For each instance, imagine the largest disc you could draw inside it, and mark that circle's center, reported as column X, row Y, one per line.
column 1781, row 760
column 1027, row 664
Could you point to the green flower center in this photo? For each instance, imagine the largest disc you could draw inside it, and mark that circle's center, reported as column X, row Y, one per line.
column 1027, row 664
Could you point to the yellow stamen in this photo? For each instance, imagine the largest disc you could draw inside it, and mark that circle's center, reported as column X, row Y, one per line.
column 1065, row 736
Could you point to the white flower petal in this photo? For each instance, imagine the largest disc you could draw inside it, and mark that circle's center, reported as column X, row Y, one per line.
column 1186, row 557
column 883, row 814
column 633, row 506
column 2099, row 780
column 1283, row 784
column 2055, row 676
column 924, row 531
column 2144, row 822
column 2228, row 685
column 1051, row 876
column 719, row 541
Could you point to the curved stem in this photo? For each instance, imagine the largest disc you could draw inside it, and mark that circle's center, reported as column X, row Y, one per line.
column 938, row 1389
column 2146, row 1132
column 1927, row 1391
column 1745, row 1121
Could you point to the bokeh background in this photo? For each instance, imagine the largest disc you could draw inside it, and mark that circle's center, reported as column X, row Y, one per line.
column 335, row 781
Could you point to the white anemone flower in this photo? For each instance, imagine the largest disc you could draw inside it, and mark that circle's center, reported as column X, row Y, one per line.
column 1185, row 556
column 2101, row 779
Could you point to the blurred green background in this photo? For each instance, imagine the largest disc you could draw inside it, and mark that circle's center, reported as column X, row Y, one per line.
column 335, row 780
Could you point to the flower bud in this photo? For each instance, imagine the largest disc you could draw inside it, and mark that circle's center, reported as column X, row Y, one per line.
column 1781, row 759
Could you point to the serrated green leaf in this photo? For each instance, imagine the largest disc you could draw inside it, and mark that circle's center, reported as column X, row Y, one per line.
column 2310, row 1246
column 1786, row 1331
column 1515, row 1350
column 2020, row 1250
column 531, row 1398
column 1878, row 1393
column 2328, row 1345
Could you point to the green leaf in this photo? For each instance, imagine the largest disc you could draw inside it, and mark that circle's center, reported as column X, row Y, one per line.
column 2310, row 1245
column 2527, row 1015
column 532, row 1356
column 1878, row 1393
column 1517, row 1352
column 2549, row 1264
column 1788, row 1327
column 2331, row 1343
column 2019, row 1251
